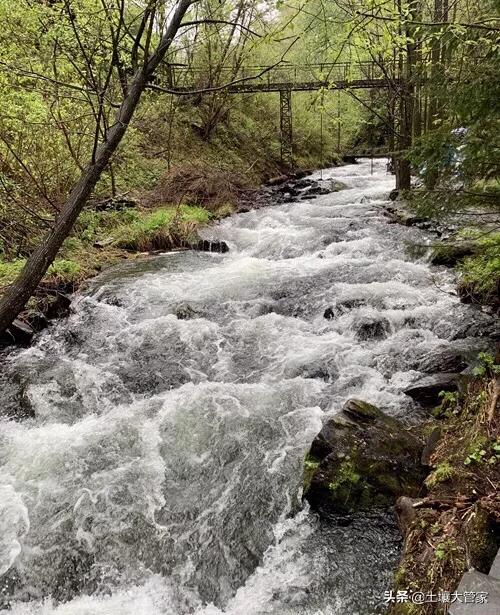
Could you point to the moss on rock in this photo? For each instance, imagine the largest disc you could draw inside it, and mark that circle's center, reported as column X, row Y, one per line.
column 362, row 459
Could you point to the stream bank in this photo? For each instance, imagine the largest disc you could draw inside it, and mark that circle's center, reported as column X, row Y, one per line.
column 123, row 228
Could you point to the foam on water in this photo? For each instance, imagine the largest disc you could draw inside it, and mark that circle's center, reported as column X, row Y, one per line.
column 161, row 470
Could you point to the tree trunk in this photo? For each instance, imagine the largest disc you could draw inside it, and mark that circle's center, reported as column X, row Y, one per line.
column 17, row 295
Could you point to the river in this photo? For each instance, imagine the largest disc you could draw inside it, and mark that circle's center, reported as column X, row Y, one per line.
column 161, row 472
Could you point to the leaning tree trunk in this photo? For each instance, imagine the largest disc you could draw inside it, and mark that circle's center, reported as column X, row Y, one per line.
column 17, row 295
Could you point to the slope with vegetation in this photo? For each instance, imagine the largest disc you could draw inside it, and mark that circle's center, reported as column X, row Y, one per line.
column 99, row 160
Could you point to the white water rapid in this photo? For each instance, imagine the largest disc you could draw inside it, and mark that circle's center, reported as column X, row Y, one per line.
column 159, row 470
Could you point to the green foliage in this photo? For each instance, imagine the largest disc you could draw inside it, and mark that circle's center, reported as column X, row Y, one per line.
column 477, row 455
column 443, row 472
column 448, row 405
column 487, row 365
column 64, row 268
column 346, row 476
column 10, row 270
column 484, row 452
column 480, row 273
column 160, row 229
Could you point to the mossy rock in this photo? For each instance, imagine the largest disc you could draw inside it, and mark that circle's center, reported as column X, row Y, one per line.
column 363, row 459
column 483, row 539
column 450, row 253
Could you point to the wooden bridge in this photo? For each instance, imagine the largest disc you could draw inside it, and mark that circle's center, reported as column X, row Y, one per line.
column 284, row 78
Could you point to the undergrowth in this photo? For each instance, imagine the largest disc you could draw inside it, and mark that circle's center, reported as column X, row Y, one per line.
column 456, row 526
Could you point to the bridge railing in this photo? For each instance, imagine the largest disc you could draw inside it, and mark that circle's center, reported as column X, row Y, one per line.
column 185, row 77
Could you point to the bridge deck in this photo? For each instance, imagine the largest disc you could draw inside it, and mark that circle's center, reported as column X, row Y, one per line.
column 308, row 77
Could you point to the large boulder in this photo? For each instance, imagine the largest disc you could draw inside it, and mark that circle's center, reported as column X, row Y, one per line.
column 426, row 390
column 450, row 253
column 447, row 360
column 362, row 459
column 18, row 332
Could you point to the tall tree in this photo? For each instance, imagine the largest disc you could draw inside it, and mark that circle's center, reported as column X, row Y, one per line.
column 107, row 138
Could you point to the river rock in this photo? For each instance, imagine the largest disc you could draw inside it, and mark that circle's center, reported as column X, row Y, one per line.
column 430, row 446
column 300, row 184
column 347, row 159
column 449, row 253
column 426, row 390
column 59, row 305
column 401, row 216
column 186, row 312
column 18, row 332
column 405, row 513
column 371, row 328
column 342, row 307
column 317, row 190
column 206, row 245
column 116, row 203
column 478, row 324
column 448, row 360
column 362, row 459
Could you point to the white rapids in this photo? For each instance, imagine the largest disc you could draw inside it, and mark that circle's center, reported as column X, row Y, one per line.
column 160, row 472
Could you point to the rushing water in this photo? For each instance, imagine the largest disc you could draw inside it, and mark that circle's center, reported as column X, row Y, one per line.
column 161, row 473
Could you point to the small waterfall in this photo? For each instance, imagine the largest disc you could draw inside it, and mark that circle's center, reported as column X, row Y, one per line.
column 160, row 471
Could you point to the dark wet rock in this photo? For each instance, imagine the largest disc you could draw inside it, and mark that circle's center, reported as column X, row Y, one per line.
column 206, row 245
column 478, row 324
column 276, row 181
column 426, row 390
column 430, row 446
column 401, row 216
column 289, row 190
column 394, row 194
column 448, row 360
column 186, row 312
column 405, row 513
column 410, row 322
column 329, row 314
column 115, row 203
column 37, row 320
column 300, row 184
column 362, row 459
column 449, row 253
column 349, row 159
column 371, row 328
column 18, row 332
column 300, row 173
column 342, row 307
column 59, row 305
column 318, row 190
column 15, row 403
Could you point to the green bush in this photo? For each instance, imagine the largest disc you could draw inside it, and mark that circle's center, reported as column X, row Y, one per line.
column 480, row 273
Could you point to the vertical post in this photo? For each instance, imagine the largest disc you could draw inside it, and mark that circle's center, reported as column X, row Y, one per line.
column 338, row 122
column 286, row 128
column 321, row 139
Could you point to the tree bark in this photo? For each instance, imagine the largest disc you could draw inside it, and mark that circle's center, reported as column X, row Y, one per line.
column 17, row 295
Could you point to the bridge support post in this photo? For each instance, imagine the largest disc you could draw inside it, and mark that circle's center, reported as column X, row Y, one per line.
column 286, row 131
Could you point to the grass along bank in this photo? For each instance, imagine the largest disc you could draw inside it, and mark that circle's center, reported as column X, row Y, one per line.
column 101, row 239
column 457, row 525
